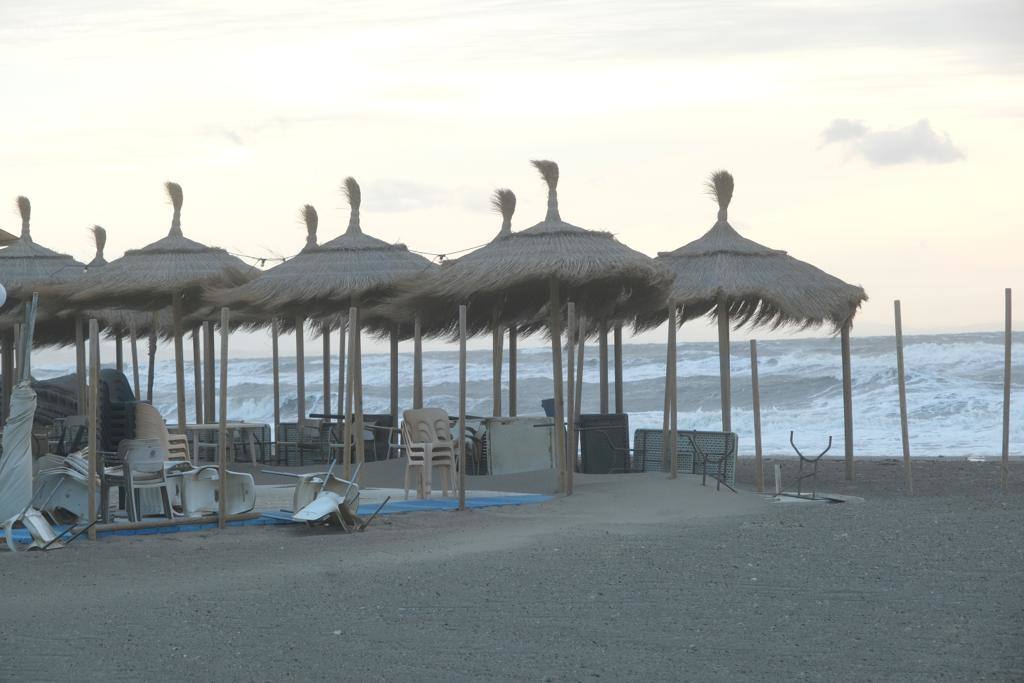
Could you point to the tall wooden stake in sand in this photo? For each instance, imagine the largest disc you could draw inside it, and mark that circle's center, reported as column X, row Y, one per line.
column 346, row 463
column 342, row 361
column 222, row 431
column 497, row 350
column 555, row 308
column 119, row 352
column 1006, row 389
column 901, row 377
column 461, row 433
column 570, row 398
column 602, row 364
column 417, row 365
column 725, row 378
column 300, row 369
column 673, row 433
column 326, row 335
column 197, row 374
column 844, row 337
column 276, row 361
column 513, row 371
column 133, row 339
column 179, row 361
column 93, row 402
column 209, row 375
column 394, row 374
column 577, row 402
column 80, row 368
column 755, row 389
column 617, row 340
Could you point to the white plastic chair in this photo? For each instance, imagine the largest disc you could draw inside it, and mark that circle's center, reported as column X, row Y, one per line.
column 141, row 466
column 428, row 444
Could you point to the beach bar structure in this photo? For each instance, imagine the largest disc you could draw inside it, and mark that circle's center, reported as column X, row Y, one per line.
column 739, row 282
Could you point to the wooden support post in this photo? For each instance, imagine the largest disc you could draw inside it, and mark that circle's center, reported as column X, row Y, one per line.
column 725, row 378
column 844, row 343
column 133, row 340
column 461, row 433
column 342, row 362
column 300, row 369
column 80, row 367
column 346, row 464
column 179, row 362
column 276, row 362
column 119, row 352
column 93, row 403
column 393, row 406
column 619, row 404
column 602, row 362
column 513, row 371
column 209, row 374
column 555, row 327
column 222, row 430
column 325, row 334
column 1007, row 365
column 901, row 378
column 197, row 373
column 357, row 387
column 578, row 400
column 570, row 399
column 673, row 434
column 417, row 364
column 497, row 347
column 151, row 354
column 666, row 422
column 755, row 389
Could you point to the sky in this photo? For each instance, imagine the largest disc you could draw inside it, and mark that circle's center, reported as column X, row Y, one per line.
column 879, row 141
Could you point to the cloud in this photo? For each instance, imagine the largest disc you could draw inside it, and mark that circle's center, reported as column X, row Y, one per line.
column 394, row 195
column 918, row 142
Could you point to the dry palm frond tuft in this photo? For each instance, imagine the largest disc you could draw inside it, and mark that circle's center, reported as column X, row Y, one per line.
column 176, row 195
column 355, row 198
column 549, row 171
column 720, row 186
column 309, row 216
column 25, row 209
column 99, row 236
column 504, row 202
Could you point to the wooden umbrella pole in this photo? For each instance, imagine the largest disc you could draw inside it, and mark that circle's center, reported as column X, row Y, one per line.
column 179, row 361
column 755, row 389
column 222, row 429
column 844, row 344
column 326, row 338
column 80, row 370
column 300, row 369
column 119, row 352
column 1007, row 365
column 209, row 373
column 394, row 373
column 461, row 433
column 578, row 396
column 342, row 362
column 570, row 398
column 357, row 369
column 673, row 434
column 417, row 363
column 151, row 358
column 513, row 371
column 619, row 404
column 725, row 378
column 133, row 341
column 346, row 465
column 93, row 403
column 602, row 362
column 276, row 362
column 901, row 378
column 666, row 423
column 496, row 348
column 555, row 328
column 197, row 373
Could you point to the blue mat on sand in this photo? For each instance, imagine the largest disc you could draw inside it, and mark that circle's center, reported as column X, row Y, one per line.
column 272, row 518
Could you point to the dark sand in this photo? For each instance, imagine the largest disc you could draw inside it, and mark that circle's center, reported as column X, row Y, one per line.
column 636, row 577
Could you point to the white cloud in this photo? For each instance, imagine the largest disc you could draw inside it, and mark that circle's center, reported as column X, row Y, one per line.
column 918, row 142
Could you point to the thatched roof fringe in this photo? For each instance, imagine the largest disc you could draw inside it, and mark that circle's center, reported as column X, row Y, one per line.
column 176, row 195
column 25, row 209
column 504, row 202
column 354, row 196
column 720, row 186
column 312, row 220
column 549, row 171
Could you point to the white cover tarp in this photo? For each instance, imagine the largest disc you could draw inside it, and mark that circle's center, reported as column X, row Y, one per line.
column 16, row 461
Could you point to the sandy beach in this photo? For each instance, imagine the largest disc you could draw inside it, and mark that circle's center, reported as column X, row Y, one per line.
column 635, row 577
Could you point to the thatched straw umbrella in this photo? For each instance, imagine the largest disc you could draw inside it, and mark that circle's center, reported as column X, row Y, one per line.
column 7, row 238
column 518, row 276
column 26, row 267
column 173, row 270
column 351, row 270
column 732, row 278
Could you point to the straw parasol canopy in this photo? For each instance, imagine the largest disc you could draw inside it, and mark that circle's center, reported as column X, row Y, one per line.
column 26, row 267
column 353, row 269
column 763, row 286
column 512, row 274
column 6, row 238
column 144, row 279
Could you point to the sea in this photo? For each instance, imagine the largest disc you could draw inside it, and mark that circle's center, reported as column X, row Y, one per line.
column 954, row 390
